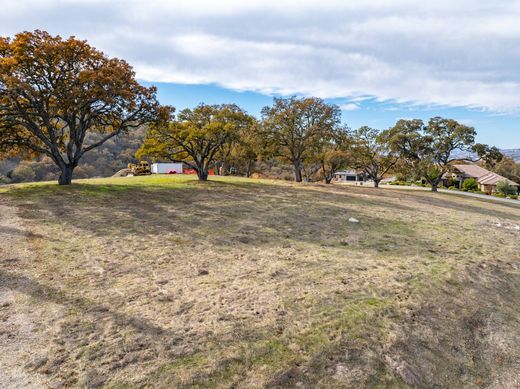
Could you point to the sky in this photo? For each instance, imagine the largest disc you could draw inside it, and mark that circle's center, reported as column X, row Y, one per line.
column 379, row 60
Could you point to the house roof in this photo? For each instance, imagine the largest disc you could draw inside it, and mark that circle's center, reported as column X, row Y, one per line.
column 483, row 176
column 471, row 171
column 493, row 179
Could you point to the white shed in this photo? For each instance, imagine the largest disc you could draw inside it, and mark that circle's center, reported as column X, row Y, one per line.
column 167, row 168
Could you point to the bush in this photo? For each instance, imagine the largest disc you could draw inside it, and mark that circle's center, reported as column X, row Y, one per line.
column 513, row 197
column 498, row 194
column 469, row 184
column 4, row 179
column 453, row 188
column 450, row 182
column 24, row 172
column 505, row 188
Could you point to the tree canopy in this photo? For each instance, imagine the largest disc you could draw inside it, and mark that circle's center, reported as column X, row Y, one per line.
column 428, row 150
column 372, row 154
column 293, row 127
column 196, row 135
column 55, row 91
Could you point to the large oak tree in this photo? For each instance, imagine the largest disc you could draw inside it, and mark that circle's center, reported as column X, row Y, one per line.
column 54, row 91
column 428, row 150
column 196, row 136
column 292, row 127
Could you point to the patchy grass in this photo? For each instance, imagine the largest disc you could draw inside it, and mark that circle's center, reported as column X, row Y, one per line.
column 164, row 281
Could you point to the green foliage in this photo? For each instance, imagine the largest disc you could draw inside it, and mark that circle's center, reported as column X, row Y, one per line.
column 4, row 179
column 196, row 136
column 505, row 188
column 297, row 130
column 371, row 152
column 428, row 149
column 470, row 185
column 508, row 168
column 491, row 156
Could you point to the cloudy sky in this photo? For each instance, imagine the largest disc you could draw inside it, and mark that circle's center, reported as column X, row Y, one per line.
column 380, row 60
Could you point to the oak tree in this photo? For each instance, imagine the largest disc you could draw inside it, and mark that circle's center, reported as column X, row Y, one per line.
column 196, row 135
column 54, row 91
column 293, row 126
column 335, row 154
column 429, row 150
column 371, row 153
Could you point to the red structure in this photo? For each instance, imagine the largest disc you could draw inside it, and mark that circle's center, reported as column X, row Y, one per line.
column 211, row 172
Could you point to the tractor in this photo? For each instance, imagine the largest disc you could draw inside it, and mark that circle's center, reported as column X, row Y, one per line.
column 139, row 169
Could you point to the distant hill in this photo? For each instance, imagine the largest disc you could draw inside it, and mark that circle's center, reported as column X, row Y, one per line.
column 512, row 153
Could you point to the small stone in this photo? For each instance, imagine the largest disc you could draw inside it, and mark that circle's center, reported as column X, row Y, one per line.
column 353, row 220
column 203, row 272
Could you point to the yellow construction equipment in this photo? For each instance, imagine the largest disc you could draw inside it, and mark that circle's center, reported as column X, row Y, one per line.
column 140, row 169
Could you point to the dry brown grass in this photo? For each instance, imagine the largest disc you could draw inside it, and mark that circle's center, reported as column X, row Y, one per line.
column 166, row 282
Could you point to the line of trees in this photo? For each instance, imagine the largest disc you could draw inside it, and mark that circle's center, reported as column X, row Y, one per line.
column 308, row 134
column 61, row 99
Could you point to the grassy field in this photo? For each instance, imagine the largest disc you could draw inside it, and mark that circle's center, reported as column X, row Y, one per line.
column 168, row 282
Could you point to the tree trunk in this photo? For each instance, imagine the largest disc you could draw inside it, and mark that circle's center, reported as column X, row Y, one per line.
column 435, row 185
column 298, row 170
column 249, row 170
column 376, row 183
column 202, row 173
column 328, row 179
column 66, row 175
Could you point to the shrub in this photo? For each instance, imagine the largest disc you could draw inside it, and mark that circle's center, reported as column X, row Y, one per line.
column 453, row 188
column 469, row 184
column 498, row 194
column 450, row 182
column 505, row 188
column 514, row 197
column 24, row 172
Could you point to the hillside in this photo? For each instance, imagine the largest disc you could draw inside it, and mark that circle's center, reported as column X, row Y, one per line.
column 167, row 282
column 513, row 154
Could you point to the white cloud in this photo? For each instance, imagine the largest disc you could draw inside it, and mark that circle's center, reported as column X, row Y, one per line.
column 349, row 107
column 461, row 53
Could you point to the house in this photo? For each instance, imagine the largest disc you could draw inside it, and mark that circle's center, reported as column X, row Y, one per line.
column 486, row 180
column 350, row 176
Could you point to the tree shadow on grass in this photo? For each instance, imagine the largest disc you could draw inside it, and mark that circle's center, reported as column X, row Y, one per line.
column 39, row 291
column 254, row 214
